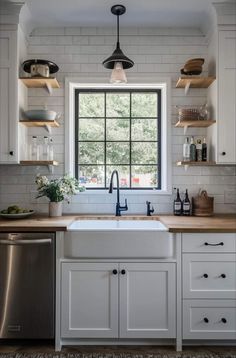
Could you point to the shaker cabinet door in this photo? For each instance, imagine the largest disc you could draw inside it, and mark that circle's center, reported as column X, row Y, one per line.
column 89, row 294
column 227, row 94
column 147, row 300
column 8, row 97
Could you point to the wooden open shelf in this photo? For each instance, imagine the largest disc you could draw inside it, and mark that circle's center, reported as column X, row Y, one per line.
column 196, row 164
column 195, row 82
column 38, row 123
column 39, row 162
column 195, row 123
column 41, row 82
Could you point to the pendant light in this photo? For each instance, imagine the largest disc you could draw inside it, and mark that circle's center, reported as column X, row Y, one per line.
column 118, row 62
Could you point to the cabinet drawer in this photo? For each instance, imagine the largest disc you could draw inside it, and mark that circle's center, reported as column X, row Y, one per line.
column 211, row 319
column 209, row 276
column 215, row 243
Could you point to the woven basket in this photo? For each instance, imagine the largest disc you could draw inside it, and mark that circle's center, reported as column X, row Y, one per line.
column 202, row 204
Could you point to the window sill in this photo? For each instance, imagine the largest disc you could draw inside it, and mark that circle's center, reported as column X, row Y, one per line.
column 128, row 192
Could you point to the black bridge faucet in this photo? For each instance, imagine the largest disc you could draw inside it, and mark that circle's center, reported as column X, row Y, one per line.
column 119, row 208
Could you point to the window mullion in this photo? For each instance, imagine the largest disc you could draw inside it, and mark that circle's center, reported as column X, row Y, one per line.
column 130, row 139
column 105, row 140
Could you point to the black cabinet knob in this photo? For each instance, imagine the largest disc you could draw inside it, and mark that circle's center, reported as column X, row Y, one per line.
column 223, row 153
column 205, row 319
column 115, row 272
column 11, row 152
column 223, row 275
column 123, row 272
column 223, row 320
column 205, row 275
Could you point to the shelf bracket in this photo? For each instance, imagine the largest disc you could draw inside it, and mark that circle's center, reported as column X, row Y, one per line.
column 51, row 169
column 187, row 86
column 48, row 128
column 49, row 88
column 185, row 129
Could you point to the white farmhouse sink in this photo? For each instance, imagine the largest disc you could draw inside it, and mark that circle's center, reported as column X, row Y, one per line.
column 117, row 225
column 118, row 239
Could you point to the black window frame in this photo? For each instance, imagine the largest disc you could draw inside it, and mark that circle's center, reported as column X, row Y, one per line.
column 158, row 141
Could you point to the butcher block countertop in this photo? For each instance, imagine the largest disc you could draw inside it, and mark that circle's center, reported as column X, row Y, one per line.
column 42, row 223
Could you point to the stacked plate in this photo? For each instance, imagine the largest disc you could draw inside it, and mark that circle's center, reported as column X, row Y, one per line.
column 193, row 67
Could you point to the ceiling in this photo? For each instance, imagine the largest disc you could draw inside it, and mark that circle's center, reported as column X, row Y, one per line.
column 160, row 13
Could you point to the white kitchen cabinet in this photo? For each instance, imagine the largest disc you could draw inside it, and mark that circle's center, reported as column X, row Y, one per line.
column 111, row 300
column 147, row 300
column 221, row 97
column 226, row 97
column 209, row 286
column 8, row 97
column 209, row 319
column 89, row 295
column 209, row 276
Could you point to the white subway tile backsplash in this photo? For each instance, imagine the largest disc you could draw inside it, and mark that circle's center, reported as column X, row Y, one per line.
column 157, row 52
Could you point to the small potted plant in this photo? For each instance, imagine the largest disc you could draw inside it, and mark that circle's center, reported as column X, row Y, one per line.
column 57, row 190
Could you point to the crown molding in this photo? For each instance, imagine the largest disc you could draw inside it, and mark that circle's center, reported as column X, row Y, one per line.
column 10, row 11
column 225, row 12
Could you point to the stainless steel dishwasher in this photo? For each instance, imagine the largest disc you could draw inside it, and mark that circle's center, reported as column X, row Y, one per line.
column 27, row 271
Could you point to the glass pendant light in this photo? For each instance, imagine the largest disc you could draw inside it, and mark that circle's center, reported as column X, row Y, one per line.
column 118, row 62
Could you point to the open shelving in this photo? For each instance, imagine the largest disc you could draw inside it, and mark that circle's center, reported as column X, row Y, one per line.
column 41, row 82
column 196, row 164
column 195, row 123
column 47, row 163
column 38, row 123
column 187, row 82
column 39, row 162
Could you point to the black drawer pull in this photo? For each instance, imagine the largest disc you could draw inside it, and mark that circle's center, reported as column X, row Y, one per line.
column 223, row 153
column 219, row 244
column 205, row 319
column 123, row 272
column 223, row 275
column 205, row 275
column 11, row 152
column 223, row 320
column 115, row 272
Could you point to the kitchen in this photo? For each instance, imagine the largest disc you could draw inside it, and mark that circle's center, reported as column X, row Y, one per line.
column 159, row 45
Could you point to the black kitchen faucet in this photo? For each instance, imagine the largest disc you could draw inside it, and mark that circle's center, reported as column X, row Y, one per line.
column 119, row 208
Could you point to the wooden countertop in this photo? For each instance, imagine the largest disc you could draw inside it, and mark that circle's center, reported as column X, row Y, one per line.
column 42, row 223
column 217, row 223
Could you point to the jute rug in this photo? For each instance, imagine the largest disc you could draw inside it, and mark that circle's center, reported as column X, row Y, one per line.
column 203, row 354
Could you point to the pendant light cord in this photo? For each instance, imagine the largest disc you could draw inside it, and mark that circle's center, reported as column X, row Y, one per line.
column 118, row 30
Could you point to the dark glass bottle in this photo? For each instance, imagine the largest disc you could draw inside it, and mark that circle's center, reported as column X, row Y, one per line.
column 186, row 205
column 177, row 204
column 204, row 150
column 193, row 156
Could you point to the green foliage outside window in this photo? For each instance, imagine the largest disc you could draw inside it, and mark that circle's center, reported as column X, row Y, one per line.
column 118, row 130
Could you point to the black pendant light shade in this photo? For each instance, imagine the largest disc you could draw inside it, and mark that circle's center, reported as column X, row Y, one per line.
column 118, row 55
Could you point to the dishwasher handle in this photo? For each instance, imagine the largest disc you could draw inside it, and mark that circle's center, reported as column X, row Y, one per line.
column 26, row 242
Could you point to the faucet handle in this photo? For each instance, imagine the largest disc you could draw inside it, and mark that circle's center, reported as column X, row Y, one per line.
column 125, row 207
column 149, row 209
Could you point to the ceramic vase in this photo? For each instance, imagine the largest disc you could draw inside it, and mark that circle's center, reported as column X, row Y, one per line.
column 55, row 209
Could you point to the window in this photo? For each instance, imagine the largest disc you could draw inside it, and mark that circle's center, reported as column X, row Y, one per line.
column 118, row 129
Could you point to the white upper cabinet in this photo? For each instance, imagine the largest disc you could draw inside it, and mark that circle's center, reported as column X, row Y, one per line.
column 8, row 97
column 226, row 152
